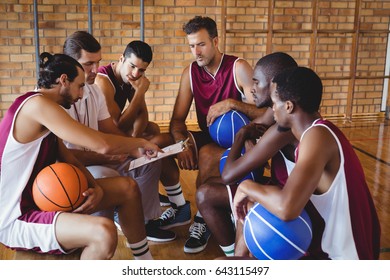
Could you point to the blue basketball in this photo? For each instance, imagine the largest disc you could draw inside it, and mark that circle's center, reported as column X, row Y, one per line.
column 255, row 175
column 225, row 127
column 270, row 238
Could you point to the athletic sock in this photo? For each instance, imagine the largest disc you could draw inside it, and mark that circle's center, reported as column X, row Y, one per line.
column 199, row 215
column 228, row 250
column 140, row 250
column 175, row 194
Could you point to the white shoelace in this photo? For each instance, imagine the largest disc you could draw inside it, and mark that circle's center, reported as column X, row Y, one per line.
column 197, row 229
column 169, row 213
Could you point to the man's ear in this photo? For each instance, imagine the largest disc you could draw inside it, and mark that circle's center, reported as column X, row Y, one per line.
column 63, row 78
column 215, row 40
column 121, row 58
column 289, row 106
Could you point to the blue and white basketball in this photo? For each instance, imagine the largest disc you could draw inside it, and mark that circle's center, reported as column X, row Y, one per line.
column 255, row 175
column 225, row 127
column 270, row 238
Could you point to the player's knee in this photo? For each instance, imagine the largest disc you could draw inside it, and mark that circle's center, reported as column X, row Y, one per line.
column 153, row 128
column 105, row 238
column 130, row 189
column 204, row 194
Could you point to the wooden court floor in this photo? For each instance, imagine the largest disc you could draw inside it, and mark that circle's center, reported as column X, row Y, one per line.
column 371, row 141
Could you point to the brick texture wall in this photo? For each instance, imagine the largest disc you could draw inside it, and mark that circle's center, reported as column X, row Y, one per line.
column 318, row 34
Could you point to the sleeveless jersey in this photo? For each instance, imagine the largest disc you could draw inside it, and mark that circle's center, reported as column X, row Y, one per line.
column 281, row 168
column 352, row 229
column 123, row 93
column 21, row 225
column 208, row 89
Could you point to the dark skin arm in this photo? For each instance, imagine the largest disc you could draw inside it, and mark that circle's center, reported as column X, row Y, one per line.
column 305, row 179
column 178, row 128
column 270, row 143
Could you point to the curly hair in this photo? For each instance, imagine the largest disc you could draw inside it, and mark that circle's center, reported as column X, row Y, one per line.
column 300, row 85
column 53, row 66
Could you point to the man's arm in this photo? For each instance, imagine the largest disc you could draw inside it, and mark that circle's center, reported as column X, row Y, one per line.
column 141, row 121
column 178, row 128
column 55, row 119
column 237, row 166
column 108, row 90
column 244, row 75
column 136, row 108
column 92, row 158
column 318, row 152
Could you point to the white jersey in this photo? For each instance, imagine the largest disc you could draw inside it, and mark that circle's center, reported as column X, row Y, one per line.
column 91, row 109
column 352, row 229
column 22, row 225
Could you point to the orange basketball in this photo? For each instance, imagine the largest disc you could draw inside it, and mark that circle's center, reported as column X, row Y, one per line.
column 59, row 187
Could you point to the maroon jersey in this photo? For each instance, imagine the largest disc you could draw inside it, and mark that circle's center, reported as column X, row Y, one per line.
column 123, row 93
column 208, row 89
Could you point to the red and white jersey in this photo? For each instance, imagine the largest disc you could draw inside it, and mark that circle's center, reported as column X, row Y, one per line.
column 22, row 225
column 209, row 89
column 352, row 229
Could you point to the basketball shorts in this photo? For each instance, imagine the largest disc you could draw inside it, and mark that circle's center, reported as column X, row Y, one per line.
column 34, row 230
column 200, row 139
column 231, row 189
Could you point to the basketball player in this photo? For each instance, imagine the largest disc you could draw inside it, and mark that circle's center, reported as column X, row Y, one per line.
column 214, row 199
column 217, row 83
column 126, row 81
column 92, row 111
column 30, row 139
column 327, row 173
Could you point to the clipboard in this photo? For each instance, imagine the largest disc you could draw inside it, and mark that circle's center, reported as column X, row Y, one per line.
column 168, row 151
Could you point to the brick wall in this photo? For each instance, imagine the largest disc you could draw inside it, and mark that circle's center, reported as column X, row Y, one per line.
column 249, row 34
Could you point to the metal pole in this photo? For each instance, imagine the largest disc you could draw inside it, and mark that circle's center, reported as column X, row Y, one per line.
column 90, row 17
column 142, row 21
column 36, row 37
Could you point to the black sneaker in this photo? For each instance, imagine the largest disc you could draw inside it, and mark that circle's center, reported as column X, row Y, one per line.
column 175, row 216
column 156, row 234
column 164, row 200
column 199, row 236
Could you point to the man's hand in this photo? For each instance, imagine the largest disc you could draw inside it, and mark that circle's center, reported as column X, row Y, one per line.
column 252, row 131
column 219, row 109
column 141, row 85
column 149, row 150
column 187, row 159
column 93, row 197
column 240, row 205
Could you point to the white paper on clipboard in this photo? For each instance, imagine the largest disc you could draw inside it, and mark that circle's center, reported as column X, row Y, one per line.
column 168, row 151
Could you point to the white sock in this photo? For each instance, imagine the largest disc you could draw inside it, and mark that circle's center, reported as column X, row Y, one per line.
column 140, row 250
column 228, row 250
column 175, row 194
column 199, row 215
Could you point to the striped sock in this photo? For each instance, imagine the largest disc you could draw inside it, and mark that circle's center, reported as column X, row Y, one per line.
column 175, row 194
column 228, row 250
column 140, row 250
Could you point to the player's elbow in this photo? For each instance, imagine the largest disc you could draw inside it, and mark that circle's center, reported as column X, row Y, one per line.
column 286, row 213
column 104, row 147
column 227, row 177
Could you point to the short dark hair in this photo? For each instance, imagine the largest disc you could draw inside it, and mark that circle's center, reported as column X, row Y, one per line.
column 80, row 40
column 300, row 85
column 198, row 23
column 274, row 63
column 53, row 66
column 140, row 49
